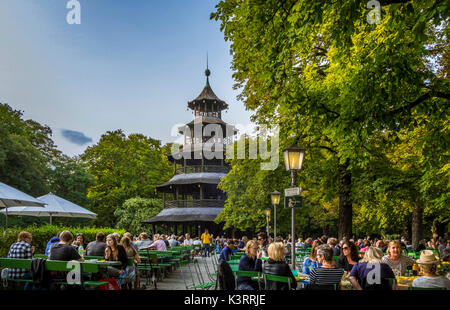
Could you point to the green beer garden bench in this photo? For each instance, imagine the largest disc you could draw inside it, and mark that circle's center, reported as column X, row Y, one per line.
column 86, row 267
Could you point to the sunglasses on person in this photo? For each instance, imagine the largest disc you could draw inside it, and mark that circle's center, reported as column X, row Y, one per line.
column 345, row 248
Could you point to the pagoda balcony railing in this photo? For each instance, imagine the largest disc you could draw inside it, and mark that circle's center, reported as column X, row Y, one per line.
column 196, row 203
column 200, row 168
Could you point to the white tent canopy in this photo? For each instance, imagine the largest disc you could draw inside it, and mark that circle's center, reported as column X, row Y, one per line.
column 56, row 207
column 11, row 197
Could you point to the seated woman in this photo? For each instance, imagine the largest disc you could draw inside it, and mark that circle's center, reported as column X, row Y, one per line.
column 370, row 273
column 310, row 262
column 251, row 261
column 81, row 240
column 115, row 252
column 131, row 253
column 326, row 276
column 395, row 259
column 277, row 266
column 428, row 265
column 349, row 256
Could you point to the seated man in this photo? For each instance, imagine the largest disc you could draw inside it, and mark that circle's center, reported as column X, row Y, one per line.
column 197, row 246
column 158, row 243
column 143, row 242
column 52, row 241
column 64, row 249
column 242, row 243
column 225, row 254
column 21, row 249
column 188, row 241
column 97, row 247
column 428, row 265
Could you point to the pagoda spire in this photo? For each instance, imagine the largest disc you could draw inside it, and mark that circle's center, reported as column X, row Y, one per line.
column 207, row 72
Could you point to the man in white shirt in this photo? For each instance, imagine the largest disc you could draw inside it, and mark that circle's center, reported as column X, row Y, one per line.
column 188, row 240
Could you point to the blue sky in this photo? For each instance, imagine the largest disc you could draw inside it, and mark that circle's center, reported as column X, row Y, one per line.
column 131, row 65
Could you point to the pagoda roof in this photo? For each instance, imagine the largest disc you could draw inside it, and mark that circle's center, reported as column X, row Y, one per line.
column 208, row 95
column 185, row 215
column 194, row 178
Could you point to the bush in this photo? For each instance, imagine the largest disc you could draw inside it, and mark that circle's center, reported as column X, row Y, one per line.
column 41, row 235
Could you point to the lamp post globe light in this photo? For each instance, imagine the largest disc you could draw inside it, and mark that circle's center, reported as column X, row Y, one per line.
column 293, row 160
column 275, row 197
column 267, row 213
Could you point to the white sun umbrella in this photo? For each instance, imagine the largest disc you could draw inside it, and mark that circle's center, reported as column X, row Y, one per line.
column 55, row 207
column 11, row 197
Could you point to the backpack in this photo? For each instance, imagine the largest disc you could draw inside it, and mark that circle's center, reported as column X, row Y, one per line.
column 225, row 278
column 111, row 286
column 41, row 276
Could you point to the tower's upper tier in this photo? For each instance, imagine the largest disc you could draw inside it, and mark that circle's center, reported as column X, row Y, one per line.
column 207, row 103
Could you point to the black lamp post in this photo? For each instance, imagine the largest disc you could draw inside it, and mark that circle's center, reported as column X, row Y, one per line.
column 293, row 159
column 275, row 197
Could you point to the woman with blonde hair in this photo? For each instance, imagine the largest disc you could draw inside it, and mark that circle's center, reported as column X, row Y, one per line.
column 371, row 273
column 251, row 261
column 132, row 271
column 395, row 259
column 276, row 265
column 130, row 249
column 310, row 262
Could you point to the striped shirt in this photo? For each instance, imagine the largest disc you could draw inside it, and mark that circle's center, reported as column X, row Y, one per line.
column 326, row 276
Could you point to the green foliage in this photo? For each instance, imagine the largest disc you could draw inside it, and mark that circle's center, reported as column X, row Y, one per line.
column 248, row 190
column 124, row 167
column 134, row 211
column 24, row 148
column 71, row 180
column 338, row 83
column 41, row 235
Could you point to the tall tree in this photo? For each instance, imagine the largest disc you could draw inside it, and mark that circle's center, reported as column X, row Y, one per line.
column 25, row 147
column 327, row 75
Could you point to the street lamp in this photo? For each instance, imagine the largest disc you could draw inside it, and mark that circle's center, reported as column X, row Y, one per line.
column 275, row 197
column 293, row 159
column 267, row 212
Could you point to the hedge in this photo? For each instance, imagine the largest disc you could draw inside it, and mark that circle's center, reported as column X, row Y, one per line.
column 41, row 235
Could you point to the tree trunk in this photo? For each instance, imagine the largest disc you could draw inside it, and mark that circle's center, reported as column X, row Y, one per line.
column 345, row 201
column 416, row 224
column 407, row 230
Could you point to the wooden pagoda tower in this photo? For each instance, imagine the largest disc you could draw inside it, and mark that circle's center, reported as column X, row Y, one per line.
column 191, row 198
